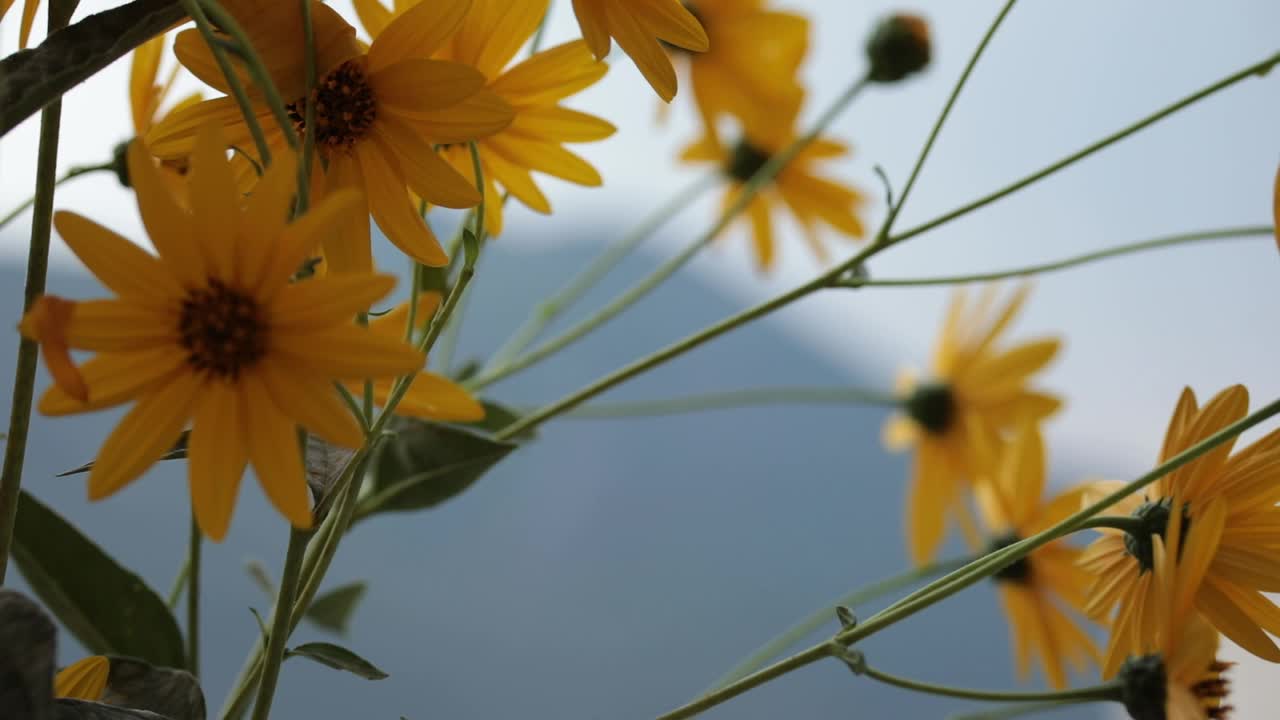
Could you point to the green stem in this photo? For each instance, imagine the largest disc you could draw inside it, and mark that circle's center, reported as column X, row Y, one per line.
column 309, row 108
column 735, row 399
column 24, row 376
column 777, row 670
column 1258, row 68
column 895, row 209
column 415, row 294
column 1008, row 713
column 193, row 8
column 256, row 67
column 179, row 583
column 74, row 172
column 193, row 600
column 742, row 200
column 818, row 618
column 453, row 331
column 1129, row 525
column 1094, row 693
column 971, row 573
column 550, row 309
column 1158, row 243
column 280, row 618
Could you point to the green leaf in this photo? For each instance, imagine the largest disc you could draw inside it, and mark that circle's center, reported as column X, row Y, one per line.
column 31, row 80
column 470, row 247
column 109, row 609
column 338, row 658
column 258, row 573
column 427, row 463
column 332, row 610
column 177, row 452
column 497, row 417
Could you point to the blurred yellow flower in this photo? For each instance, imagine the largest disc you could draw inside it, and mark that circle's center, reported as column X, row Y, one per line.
column 85, row 679
column 146, row 97
column 378, row 114
column 957, row 420
column 1231, row 524
column 811, row 198
column 489, row 38
column 752, row 66
column 1172, row 671
column 1041, row 591
column 29, row 8
column 213, row 333
column 641, row 27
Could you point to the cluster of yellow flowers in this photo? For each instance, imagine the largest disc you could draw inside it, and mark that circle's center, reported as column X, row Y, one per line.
column 258, row 204
column 1190, row 558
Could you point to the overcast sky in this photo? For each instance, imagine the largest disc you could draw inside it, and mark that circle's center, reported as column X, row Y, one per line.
column 1058, row 76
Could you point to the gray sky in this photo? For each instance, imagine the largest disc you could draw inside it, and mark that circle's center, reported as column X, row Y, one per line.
column 1057, row 77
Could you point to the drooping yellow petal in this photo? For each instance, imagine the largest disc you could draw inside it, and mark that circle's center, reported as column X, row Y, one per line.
column 275, row 453
column 85, row 679
column 47, row 323
column 645, row 50
column 145, row 433
column 390, row 207
column 761, row 231
column 218, row 452
column 433, row 179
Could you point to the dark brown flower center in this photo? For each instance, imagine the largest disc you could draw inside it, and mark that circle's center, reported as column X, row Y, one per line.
column 933, row 406
column 222, row 330
column 745, row 161
column 345, row 107
column 1153, row 518
column 1144, row 688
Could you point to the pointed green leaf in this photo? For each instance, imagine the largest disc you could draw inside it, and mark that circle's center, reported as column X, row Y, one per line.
column 332, row 610
column 109, row 609
column 427, row 463
column 338, row 658
column 177, row 452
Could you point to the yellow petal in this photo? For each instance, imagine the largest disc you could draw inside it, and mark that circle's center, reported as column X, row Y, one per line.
column 595, row 31
column 560, row 124
column 143, row 70
column 645, row 50
column 218, row 452
column 147, row 431
column 391, row 209
column 302, row 238
column 1229, row 609
column 761, row 231
column 430, row 397
column 419, row 85
column 312, row 401
column 126, row 269
column 494, row 31
column 347, row 245
column 933, row 492
column 479, row 116
column 215, row 204
column 168, row 225
column 116, row 377
column 118, row 325
column 433, row 179
column 549, row 157
column 46, row 323
column 320, row 302
column 393, row 323
column 275, row 454
column 417, row 33
column 84, row 679
column 550, row 76
column 266, row 211
column 373, row 15
column 350, row 352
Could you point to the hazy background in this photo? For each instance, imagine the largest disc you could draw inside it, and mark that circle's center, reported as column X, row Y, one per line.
column 615, row 568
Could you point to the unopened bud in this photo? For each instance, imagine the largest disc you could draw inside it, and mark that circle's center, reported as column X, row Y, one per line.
column 898, row 48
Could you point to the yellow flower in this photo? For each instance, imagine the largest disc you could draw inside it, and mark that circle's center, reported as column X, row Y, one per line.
column 28, row 18
column 1231, row 522
column 378, row 115
column 811, row 198
column 751, row 68
column 84, row 679
column 641, row 27
column 956, row 422
column 1035, row 589
column 146, row 97
column 489, row 38
column 212, row 332
column 431, row 396
column 1173, row 672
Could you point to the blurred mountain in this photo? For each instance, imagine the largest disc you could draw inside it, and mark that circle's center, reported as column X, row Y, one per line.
column 612, row 568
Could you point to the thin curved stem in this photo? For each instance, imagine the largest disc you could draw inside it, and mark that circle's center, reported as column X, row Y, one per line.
column 1094, row 693
column 1257, row 68
column 1007, row 712
column 74, row 172
column 179, row 584
column 309, row 108
column 280, row 629
column 777, row 670
column 193, row 598
column 818, row 618
column 590, row 276
column 1056, row 265
column 737, row 399
column 741, row 201
column 24, row 375
column 1130, row 525
column 895, row 209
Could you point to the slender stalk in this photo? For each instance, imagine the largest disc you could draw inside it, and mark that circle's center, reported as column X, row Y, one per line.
column 741, row 201
column 971, row 573
column 280, row 618
column 448, row 344
column 179, row 583
column 1258, row 68
column 1126, row 524
column 309, row 108
column 1094, row 693
column 193, row 599
column 1054, row 266
column 551, row 308
column 896, row 208
column 193, row 8
column 777, row 670
column 818, row 618
column 1009, row 712
column 74, row 172
column 736, row 399
column 24, row 376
